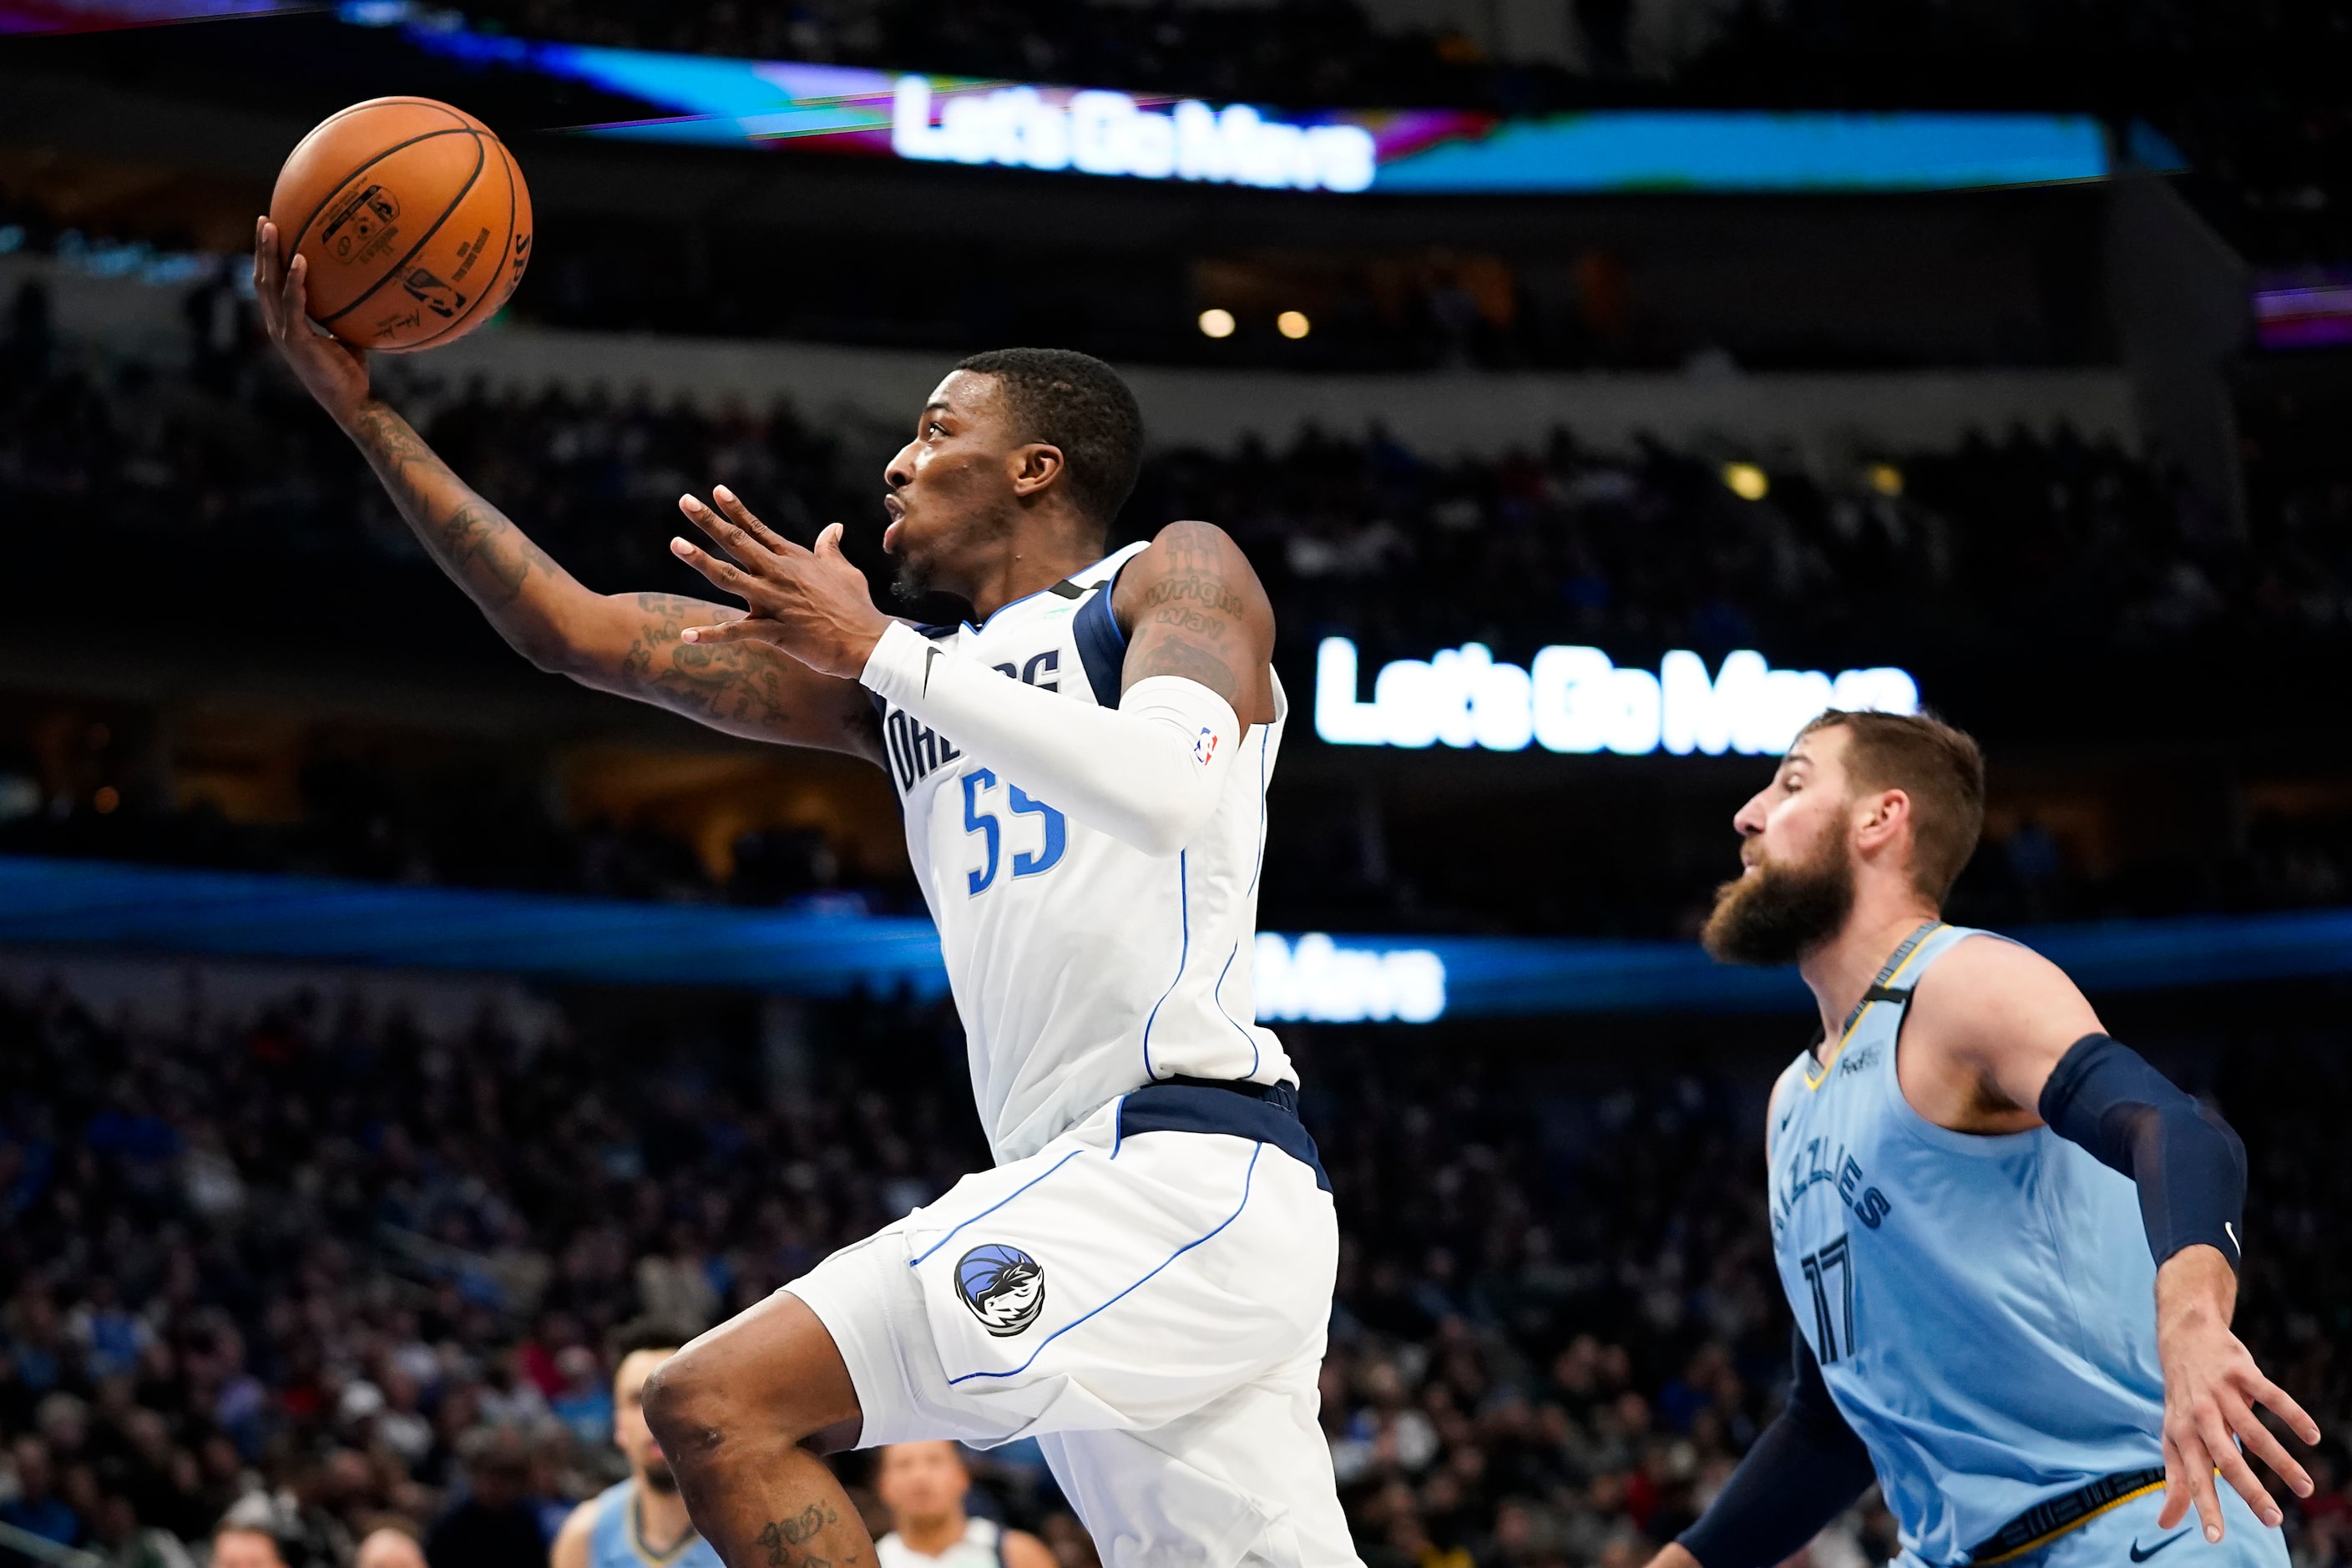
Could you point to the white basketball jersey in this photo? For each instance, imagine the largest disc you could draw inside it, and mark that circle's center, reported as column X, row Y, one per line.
column 978, row 1549
column 1082, row 966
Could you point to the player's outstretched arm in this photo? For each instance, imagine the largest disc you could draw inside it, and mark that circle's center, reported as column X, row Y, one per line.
column 2009, row 1026
column 628, row 644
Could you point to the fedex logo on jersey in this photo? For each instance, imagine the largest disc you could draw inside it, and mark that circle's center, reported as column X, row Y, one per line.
column 1577, row 699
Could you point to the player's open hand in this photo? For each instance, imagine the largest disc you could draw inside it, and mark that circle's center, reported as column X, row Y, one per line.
column 2211, row 1389
column 330, row 369
column 813, row 604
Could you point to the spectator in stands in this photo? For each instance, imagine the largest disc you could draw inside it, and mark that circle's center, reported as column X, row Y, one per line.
column 245, row 1546
column 395, row 1546
column 494, row 1526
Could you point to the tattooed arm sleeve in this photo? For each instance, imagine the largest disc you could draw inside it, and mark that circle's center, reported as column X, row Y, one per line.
column 624, row 643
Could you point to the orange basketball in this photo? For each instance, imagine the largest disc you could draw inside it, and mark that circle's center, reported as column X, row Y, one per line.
column 415, row 218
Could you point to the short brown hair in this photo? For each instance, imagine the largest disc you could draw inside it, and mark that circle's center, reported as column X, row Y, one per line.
column 1939, row 767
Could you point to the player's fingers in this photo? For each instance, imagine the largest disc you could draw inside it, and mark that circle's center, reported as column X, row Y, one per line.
column 2234, row 1469
column 742, row 516
column 722, row 573
column 828, row 542
column 294, row 299
column 722, row 531
column 263, row 253
column 751, row 628
column 2197, row 1475
column 2298, row 1421
column 2264, row 1445
column 2176, row 1490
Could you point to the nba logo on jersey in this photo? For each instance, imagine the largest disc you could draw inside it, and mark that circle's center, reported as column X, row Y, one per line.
column 1003, row 1286
column 1204, row 746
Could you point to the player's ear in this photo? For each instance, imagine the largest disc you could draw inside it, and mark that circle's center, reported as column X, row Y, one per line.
column 1035, row 466
column 1883, row 816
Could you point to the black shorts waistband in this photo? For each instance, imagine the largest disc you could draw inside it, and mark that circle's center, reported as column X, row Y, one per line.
column 1266, row 1112
column 2047, row 1520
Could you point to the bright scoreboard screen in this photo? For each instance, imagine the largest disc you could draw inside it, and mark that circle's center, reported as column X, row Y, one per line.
column 960, row 121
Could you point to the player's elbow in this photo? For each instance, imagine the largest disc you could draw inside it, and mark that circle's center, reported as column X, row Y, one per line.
column 687, row 1408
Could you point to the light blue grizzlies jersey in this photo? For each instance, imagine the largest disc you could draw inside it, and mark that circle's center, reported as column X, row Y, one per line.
column 615, row 1540
column 1983, row 1308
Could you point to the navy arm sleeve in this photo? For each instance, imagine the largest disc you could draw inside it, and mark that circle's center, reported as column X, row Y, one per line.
column 1805, row 1469
column 2190, row 1166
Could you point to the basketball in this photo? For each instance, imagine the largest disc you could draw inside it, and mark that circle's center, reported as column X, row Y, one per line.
column 414, row 217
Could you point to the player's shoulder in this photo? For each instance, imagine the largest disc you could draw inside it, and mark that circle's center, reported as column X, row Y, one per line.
column 1986, row 993
column 1198, row 561
column 1188, row 545
column 1982, row 968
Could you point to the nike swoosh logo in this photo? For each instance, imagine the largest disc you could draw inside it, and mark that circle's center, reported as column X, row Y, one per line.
column 933, row 659
column 2139, row 1556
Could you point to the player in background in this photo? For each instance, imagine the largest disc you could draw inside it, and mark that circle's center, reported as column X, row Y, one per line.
column 923, row 1486
column 1143, row 1283
column 2010, row 1244
column 640, row 1521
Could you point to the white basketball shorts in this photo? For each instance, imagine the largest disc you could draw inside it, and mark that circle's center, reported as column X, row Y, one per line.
column 1150, row 1305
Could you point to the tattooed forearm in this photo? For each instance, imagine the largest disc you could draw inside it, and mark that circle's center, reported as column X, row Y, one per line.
column 472, row 540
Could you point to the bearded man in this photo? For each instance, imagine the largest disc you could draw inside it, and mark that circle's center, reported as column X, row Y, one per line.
column 1963, row 1166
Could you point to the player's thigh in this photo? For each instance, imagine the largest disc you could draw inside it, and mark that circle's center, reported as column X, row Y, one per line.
column 1244, row 1480
column 1101, row 1283
column 2128, row 1534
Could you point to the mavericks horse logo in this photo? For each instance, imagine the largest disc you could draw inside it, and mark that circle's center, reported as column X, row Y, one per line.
column 1003, row 1286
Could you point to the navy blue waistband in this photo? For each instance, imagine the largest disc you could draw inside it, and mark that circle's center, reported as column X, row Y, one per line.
column 1266, row 1112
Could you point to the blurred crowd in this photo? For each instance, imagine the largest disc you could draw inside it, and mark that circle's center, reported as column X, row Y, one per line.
column 315, row 1271
column 2246, row 94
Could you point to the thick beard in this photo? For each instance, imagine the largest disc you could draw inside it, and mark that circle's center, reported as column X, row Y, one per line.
column 660, row 1478
column 1781, row 912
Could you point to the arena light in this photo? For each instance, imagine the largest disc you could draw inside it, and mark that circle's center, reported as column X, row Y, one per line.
column 1745, row 480
column 1216, row 324
column 1293, row 325
column 1577, row 701
column 1886, row 478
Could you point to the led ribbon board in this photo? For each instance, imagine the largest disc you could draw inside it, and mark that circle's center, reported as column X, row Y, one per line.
column 1578, row 700
column 48, row 904
column 709, row 101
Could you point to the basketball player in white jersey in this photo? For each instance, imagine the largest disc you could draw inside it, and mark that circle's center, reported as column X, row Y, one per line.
column 923, row 1484
column 1143, row 1282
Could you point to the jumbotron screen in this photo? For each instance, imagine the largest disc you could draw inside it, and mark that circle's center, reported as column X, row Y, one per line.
column 714, row 101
